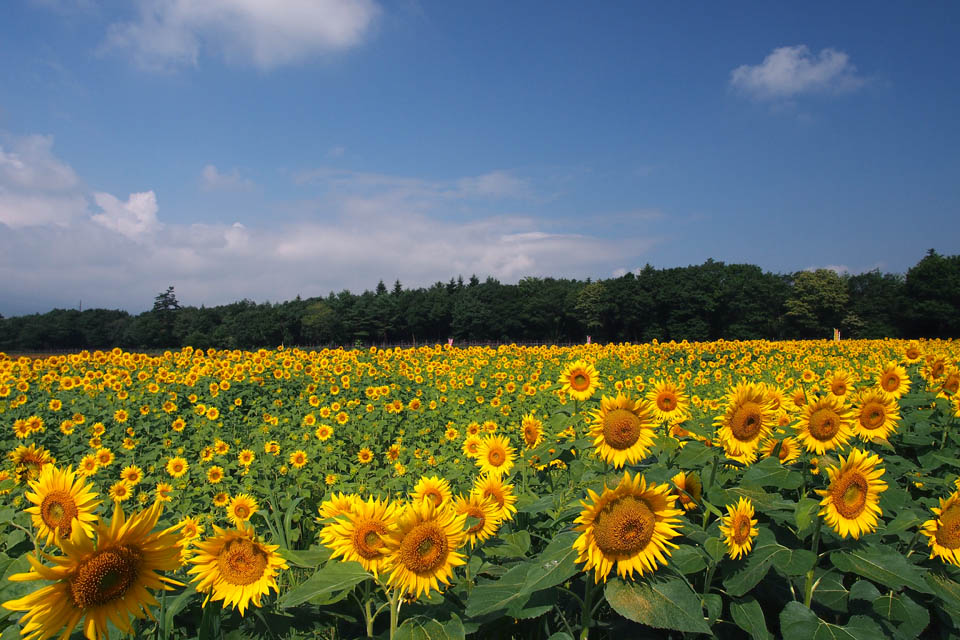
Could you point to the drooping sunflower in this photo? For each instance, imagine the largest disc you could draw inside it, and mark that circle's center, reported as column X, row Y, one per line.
column 824, row 424
column 669, row 401
column 948, row 385
column 850, row 503
column 689, row 489
column 748, row 419
column 580, row 380
column 61, row 501
column 739, row 528
column 532, row 430
column 423, row 547
column 630, row 526
column 434, row 489
column 99, row 580
column 496, row 456
column 359, row 535
column 484, row 511
column 236, row 567
column 622, row 429
column 242, row 507
column 789, row 449
column 943, row 532
column 500, row 492
column 876, row 416
column 893, row 380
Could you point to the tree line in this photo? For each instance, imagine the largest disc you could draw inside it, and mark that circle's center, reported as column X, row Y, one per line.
column 698, row 302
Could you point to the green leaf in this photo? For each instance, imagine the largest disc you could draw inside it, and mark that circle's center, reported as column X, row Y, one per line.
column 905, row 521
column 659, row 602
column 497, row 595
column 555, row 565
column 332, row 578
column 805, row 515
column 716, row 547
column 830, row 591
column 762, row 500
column 6, row 515
column 797, row 622
column 748, row 615
column 713, row 603
column 909, row 617
column 687, row 559
column 424, row 628
column 695, row 455
column 176, row 604
column 308, row 559
column 512, row 545
column 770, row 473
column 766, row 553
column 947, row 591
column 882, row 565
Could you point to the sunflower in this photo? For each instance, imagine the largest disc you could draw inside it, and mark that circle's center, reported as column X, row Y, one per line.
column 423, row 547
column 359, row 534
column 235, row 567
column 484, row 510
column 221, row 499
column 246, row 457
column 949, row 384
column 132, row 474
column 298, row 459
column 893, row 380
column 163, row 491
column 496, row 456
column 739, row 528
column 501, row 493
column 364, row 456
column 789, row 449
column 29, row 461
column 471, row 446
column 630, row 525
column 748, row 419
column 337, row 504
column 877, row 415
column 580, row 380
column 241, row 507
column 532, row 430
column 824, row 424
column 215, row 474
column 121, row 491
column 99, row 581
column 943, row 532
column 61, row 499
column 670, row 403
column 934, row 367
column 323, row 432
column 850, row 504
column 689, row 489
column 177, row 467
column 435, row 489
column 840, row 383
column 622, row 429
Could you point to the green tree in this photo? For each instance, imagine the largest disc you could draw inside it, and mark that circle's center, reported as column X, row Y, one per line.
column 817, row 304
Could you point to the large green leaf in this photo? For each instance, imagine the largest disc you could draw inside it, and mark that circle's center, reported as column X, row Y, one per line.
column 797, row 622
column 309, row 558
column 695, row 455
column 805, row 515
column 883, row 565
column 748, row 615
column 555, row 564
column 496, row 595
column 424, row 628
column 770, row 473
column 909, row 617
column 659, row 602
column 766, row 553
column 512, row 545
column 688, row 559
column 326, row 581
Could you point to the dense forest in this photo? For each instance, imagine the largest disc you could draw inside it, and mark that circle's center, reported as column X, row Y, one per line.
column 702, row 302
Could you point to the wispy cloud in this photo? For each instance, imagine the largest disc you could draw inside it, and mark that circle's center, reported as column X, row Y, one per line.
column 211, row 179
column 791, row 71
column 263, row 33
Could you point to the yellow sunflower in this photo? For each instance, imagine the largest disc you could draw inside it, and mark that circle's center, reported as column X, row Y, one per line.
column 28, row 461
column 949, row 384
column 669, row 401
column 215, row 474
column 840, row 383
column 61, row 500
column 580, row 380
column 501, row 493
column 824, row 424
column 99, row 580
column 789, row 449
column 496, row 456
column 689, row 489
column 748, row 419
column 622, row 429
column 739, row 528
column 484, row 511
column 630, row 526
column 876, row 416
column 851, row 503
column 943, row 532
column 471, row 446
column 235, row 567
column 423, row 547
column 893, row 380
column 359, row 535
column 177, row 467
column 120, row 491
column 364, row 456
column 298, row 459
column 241, row 508
column 434, row 489
column 132, row 474
column 532, row 430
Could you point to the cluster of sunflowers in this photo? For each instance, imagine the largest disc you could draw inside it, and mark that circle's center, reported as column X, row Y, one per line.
column 635, row 449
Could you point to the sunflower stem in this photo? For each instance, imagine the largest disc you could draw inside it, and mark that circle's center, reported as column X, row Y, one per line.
column 394, row 611
column 586, row 618
column 814, row 546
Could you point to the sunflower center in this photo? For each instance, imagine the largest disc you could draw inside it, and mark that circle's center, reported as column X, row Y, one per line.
column 666, row 402
column 824, row 424
column 241, row 562
column 741, row 529
column 913, row 353
column 579, row 381
column 891, row 382
column 474, row 512
column 850, row 494
column 948, row 533
column 872, row 416
column 496, row 457
column 747, row 421
column 424, row 548
column 621, row 429
column 624, row 527
column 784, row 451
column 496, row 495
column 241, row 511
column 838, row 388
column 367, row 541
column 58, row 511
column 434, row 495
column 105, row 576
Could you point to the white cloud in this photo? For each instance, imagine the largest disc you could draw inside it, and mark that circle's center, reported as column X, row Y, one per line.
column 790, row 71
column 212, row 180
column 133, row 219
column 36, row 188
column 264, row 33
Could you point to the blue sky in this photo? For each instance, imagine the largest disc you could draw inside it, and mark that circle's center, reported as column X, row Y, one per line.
column 268, row 148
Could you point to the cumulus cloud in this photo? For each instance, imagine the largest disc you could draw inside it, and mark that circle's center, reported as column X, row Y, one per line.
column 263, row 33
column 212, row 180
column 36, row 188
column 790, row 71
column 133, row 219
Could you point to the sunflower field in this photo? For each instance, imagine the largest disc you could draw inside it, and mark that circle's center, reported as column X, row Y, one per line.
column 729, row 489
